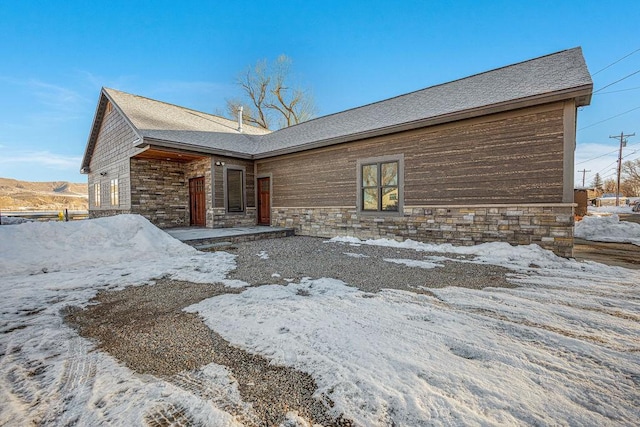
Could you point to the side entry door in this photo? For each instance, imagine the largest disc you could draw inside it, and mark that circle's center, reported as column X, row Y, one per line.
column 264, row 201
column 197, row 202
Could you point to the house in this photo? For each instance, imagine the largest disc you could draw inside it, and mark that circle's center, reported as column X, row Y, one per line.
column 611, row 199
column 485, row 158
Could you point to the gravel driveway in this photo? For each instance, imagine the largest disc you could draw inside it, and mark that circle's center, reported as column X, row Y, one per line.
column 292, row 258
column 146, row 329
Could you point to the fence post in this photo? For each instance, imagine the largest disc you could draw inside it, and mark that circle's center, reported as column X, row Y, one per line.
column 66, row 215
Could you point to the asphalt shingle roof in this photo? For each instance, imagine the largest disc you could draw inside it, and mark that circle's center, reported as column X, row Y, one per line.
column 563, row 72
column 167, row 122
column 549, row 74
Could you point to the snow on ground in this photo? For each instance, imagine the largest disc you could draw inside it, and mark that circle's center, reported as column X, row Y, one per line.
column 10, row 220
column 562, row 348
column 48, row 374
column 608, row 229
column 609, row 210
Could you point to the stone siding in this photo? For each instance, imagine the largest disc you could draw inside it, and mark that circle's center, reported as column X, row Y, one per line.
column 222, row 219
column 160, row 192
column 550, row 226
column 107, row 212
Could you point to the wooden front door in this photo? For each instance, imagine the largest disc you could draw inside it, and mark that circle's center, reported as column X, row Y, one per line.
column 197, row 202
column 264, row 201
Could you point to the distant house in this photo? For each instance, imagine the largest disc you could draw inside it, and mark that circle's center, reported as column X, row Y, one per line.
column 610, row 199
column 484, row 158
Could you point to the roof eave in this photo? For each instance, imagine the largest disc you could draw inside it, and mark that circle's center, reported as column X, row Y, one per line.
column 93, row 135
column 181, row 146
column 581, row 94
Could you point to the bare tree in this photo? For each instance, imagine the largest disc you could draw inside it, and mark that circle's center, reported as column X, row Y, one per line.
column 269, row 98
column 610, row 186
column 631, row 177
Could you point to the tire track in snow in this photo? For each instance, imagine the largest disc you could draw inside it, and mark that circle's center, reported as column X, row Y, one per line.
column 170, row 415
column 23, row 378
column 74, row 384
column 202, row 385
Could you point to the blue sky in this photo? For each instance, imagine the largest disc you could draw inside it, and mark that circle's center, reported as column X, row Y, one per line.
column 55, row 56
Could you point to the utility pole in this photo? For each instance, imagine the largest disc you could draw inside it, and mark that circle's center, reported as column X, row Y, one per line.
column 623, row 143
column 584, row 172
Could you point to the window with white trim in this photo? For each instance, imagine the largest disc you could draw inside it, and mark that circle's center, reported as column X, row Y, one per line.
column 115, row 193
column 96, row 194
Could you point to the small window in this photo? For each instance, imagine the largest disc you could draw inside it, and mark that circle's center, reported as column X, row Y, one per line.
column 115, row 194
column 235, row 190
column 96, row 194
column 109, row 107
column 379, row 186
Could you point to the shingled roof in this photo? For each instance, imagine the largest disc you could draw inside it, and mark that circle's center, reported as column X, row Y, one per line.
column 538, row 80
column 562, row 75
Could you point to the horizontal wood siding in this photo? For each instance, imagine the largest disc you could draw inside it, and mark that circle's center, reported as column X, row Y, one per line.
column 219, row 180
column 316, row 178
column 513, row 157
column 502, row 160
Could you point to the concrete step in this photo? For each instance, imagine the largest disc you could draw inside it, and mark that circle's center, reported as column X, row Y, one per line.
column 214, row 242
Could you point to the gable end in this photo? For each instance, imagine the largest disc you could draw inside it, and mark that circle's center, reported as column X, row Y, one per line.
column 105, row 105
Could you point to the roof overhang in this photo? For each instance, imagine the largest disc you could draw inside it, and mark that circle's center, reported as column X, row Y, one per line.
column 180, row 151
column 181, row 147
column 95, row 130
column 581, row 95
column 160, row 153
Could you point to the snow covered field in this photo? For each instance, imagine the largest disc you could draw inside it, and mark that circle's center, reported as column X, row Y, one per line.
column 562, row 348
column 608, row 229
column 609, row 210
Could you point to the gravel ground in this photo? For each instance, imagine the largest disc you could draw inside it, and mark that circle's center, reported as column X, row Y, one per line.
column 364, row 266
column 145, row 328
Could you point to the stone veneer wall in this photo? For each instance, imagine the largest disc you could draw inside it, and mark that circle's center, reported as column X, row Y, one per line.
column 221, row 219
column 160, row 192
column 107, row 212
column 550, row 226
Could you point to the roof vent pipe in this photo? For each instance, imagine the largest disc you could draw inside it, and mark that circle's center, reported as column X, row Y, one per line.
column 240, row 118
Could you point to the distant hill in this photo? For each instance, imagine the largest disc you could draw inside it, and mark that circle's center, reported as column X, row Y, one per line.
column 24, row 195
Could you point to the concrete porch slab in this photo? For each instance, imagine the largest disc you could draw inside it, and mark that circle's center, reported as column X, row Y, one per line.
column 201, row 237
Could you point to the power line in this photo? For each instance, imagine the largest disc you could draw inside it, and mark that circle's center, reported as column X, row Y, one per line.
column 610, row 118
column 607, row 167
column 615, row 62
column 616, row 91
column 617, row 81
column 609, row 175
column 605, row 154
